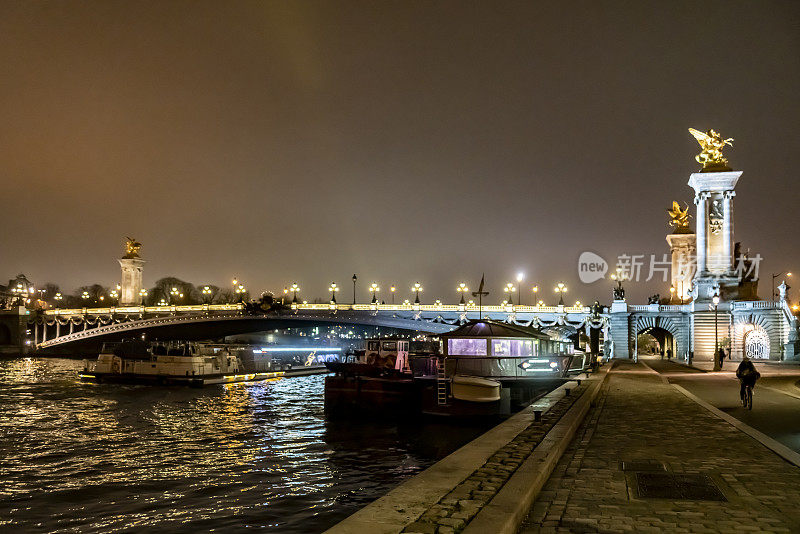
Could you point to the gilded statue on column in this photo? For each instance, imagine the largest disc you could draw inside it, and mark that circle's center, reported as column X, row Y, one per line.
column 679, row 218
column 712, row 144
column 132, row 248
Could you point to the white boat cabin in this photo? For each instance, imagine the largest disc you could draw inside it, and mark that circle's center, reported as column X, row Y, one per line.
column 492, row 349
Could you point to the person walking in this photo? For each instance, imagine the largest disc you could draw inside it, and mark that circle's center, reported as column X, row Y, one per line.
column 721, row 357
column 669, row 354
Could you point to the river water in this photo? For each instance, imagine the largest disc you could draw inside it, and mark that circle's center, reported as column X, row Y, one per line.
column 82, row 457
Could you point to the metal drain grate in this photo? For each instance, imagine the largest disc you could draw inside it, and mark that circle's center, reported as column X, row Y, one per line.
column 646, row 466
column 677, row 487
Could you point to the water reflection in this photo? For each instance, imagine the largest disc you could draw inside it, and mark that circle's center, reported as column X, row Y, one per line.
column 98, row 458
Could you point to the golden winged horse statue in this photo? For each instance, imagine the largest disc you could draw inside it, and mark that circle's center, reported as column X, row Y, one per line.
column 712, row 144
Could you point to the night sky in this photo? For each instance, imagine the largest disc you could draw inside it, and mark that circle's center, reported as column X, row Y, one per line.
column 404, row 141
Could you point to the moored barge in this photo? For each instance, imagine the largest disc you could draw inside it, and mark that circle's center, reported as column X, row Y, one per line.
column 482, row 368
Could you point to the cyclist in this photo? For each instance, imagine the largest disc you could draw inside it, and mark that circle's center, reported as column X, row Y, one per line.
column 747, row 375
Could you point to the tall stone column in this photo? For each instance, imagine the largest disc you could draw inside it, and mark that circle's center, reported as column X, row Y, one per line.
column 131, row 284
column 713, row 193
column 701, row 200
column 682, row 249
column 727, row 226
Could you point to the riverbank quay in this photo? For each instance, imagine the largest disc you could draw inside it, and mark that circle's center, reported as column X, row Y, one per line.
column 649, row 458
column 452, row 493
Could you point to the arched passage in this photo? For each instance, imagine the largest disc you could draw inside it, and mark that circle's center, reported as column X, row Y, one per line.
column 669, row 333
column 655, row 342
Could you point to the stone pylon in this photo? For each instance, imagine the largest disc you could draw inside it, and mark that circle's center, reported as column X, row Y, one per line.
column 131, row 285
column 714, row 192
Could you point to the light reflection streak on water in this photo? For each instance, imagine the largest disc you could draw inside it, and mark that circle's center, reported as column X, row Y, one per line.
column 104, row 458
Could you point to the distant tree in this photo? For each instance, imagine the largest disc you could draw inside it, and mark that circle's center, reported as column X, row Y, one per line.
column 208, row 293
column 227, row 296
column 93, row 295
column 50, row 292
column 173, row 291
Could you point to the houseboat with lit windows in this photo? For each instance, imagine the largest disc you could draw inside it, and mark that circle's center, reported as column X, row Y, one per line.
column 481, row 368
column 186, row 363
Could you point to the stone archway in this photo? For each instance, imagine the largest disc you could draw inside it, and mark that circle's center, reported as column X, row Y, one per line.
column 665, row 330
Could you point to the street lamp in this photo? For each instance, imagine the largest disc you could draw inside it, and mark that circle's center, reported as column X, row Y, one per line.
column 535, row 290
column 416, row 289
column 206, row 292
column 672, row 293
column 374, row 288
column 355, row 279
column 114, row 294
column 510, row 290
column 173, row 295
column 85, row 297
column 142, row 295
column 295, row 288
column 520, row 278
column 561, row 288
column 462, row 288
column 240, row 291
column 540, row 303
column 58, row 298
column 774, row 276
column 715, row 301
column 392, row 289
column 333, row 289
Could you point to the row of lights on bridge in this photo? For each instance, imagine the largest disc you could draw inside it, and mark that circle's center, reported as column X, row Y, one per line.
column 509, row 289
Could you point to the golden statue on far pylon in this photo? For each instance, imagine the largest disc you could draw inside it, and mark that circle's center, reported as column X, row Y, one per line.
column 132, row 248
column 679, row 218
column 711, row 156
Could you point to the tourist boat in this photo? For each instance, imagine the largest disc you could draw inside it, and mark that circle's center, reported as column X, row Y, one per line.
column 182, row 363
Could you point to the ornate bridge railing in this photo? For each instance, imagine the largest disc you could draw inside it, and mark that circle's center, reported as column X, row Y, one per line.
column 84, row 323
column 201, row 308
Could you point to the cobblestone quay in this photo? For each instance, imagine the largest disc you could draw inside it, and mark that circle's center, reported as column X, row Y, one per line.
column 642, row 429
column 463, row 503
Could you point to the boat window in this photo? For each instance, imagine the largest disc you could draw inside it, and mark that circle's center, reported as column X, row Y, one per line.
column 373, row 345
column 512, row 347
column 466, row 347
column 389, row 345
column 404, row 345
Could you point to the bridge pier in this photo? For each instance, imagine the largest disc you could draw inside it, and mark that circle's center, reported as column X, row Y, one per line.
column 13, row 328
column 619, row 330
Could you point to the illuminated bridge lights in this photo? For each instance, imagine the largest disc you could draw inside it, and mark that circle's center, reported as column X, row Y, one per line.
column 296, row 349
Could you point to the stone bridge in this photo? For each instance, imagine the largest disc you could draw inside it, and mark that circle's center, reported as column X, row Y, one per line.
column 61, row 328
column 768, row 328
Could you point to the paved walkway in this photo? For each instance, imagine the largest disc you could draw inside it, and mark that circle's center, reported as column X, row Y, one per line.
column 776, row 402
column 639, row 418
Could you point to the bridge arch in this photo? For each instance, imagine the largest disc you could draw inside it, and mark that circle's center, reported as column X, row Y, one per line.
column 667, row 331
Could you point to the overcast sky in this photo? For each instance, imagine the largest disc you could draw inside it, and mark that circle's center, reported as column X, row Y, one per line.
column 404, row 141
